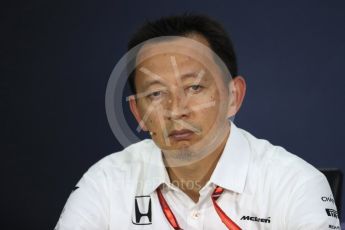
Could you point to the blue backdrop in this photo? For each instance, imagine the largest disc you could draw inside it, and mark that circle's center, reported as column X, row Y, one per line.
column 57, row 57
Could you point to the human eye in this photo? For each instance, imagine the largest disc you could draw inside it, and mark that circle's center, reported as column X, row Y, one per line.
column 195, row 88
column 155, row 95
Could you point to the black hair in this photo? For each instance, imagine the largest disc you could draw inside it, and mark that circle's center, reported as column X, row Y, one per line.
column 184, row 25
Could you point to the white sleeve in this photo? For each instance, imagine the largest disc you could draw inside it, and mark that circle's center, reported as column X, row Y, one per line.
column 87, row 206
column 312, row 206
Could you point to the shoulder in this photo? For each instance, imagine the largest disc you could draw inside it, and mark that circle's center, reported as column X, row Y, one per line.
column 125, row 160
column 276, row 163
column 288, row 186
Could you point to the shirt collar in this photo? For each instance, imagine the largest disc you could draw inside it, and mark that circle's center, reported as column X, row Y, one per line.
column 232, row 167
column 230, row 172
column 155, row 173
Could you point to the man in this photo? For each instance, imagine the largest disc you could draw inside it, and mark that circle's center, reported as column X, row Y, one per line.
column 199, row 171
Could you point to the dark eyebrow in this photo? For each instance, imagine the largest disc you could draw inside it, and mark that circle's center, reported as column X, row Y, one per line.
column 189, row 75
column 155, row 79
column 148, row 83
column 195, row 75
column 146, row 86
column 152, row 82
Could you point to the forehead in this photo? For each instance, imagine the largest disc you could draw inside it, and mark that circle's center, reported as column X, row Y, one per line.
column 168, row 63
column 193, row 45
column 185, row 54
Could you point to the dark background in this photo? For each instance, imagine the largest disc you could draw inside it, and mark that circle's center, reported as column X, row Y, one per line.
column 56, row 58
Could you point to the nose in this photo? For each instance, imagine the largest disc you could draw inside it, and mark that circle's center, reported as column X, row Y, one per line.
column 177, row 105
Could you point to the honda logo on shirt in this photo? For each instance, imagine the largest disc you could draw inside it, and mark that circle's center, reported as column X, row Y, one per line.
column 142, row 214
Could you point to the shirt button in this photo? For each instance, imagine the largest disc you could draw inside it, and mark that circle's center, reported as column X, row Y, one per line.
column 195, row 214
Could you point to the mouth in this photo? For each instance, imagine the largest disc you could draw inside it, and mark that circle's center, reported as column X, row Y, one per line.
column 179, row 135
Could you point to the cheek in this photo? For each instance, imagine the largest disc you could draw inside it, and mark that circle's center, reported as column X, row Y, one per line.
column 209, row 99
column 205, row 107
column 146, row 114
column 211, row 103
column 149, row 122
column 153, row 120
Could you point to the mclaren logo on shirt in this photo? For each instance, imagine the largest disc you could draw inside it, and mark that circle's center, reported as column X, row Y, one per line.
column 252, row 218
column 142, row 214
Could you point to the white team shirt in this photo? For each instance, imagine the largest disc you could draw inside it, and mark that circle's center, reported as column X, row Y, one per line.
column 265, row 187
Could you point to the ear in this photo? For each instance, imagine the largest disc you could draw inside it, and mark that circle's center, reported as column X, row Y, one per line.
column 135, row 111
column 237, row 91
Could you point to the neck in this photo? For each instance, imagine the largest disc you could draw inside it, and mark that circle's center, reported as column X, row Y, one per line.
column 190, row 178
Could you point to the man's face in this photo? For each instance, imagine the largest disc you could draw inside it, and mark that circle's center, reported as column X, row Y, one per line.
column 182, row 101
